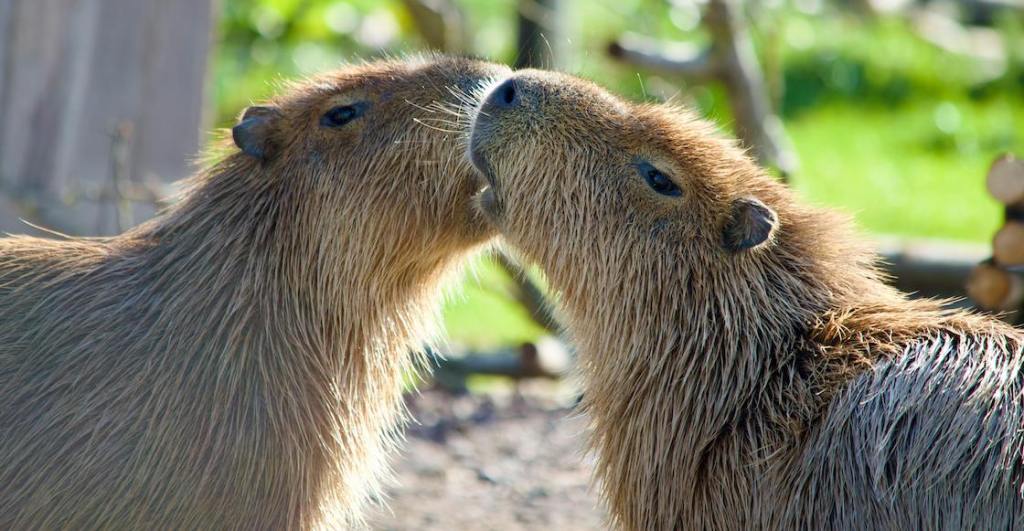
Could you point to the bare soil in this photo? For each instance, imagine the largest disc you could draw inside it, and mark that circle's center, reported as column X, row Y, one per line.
column 491, row 462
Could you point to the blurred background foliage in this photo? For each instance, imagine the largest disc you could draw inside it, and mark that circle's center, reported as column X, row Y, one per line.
column 889, row 125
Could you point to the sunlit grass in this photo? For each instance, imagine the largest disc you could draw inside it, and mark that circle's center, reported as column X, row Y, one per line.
column 915, row 170
column 482, row 314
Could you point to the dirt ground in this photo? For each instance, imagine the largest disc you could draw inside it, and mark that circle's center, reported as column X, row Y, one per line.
column 491, row 462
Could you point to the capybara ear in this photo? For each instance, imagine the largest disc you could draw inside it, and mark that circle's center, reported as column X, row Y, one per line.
column 253, row 134
column 750, row 224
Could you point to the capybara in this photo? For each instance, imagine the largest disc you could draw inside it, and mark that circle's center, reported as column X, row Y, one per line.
column 238, row 362
column 744, row 363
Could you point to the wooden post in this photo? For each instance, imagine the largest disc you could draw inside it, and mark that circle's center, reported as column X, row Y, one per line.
column 994, row 288
column 74, row 74
column 1008, row 244
column 1005, row 180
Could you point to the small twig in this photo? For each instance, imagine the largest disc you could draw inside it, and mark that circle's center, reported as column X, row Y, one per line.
column 120, row 151
column 732, row 61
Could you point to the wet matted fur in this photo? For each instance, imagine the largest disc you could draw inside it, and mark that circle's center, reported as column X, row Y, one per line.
column 238, row 361
column 743, row 362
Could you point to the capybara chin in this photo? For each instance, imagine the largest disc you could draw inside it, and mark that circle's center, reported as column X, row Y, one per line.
column 743, row 362
column 238, row 362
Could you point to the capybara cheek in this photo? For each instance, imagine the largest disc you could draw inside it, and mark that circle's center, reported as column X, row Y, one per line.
column 662, row 230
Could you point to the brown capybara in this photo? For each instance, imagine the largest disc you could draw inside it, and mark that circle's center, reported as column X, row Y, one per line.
column 743, row 362
column 238, row 362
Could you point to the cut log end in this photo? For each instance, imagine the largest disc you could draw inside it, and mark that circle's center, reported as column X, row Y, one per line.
column 1008, row 244
column 994, row 288
column 1005, row 180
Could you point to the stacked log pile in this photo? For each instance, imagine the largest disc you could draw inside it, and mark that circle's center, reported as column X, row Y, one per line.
column 995, row 284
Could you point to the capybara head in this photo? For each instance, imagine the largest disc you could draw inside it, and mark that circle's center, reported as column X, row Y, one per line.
column 561, row 156
column 645, row 198
column 361, row 146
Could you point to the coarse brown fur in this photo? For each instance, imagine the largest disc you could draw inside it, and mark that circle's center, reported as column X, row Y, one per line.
column 238, row 362
column 772, row 382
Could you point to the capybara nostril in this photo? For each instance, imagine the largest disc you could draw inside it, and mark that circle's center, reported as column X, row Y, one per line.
column 505, row 96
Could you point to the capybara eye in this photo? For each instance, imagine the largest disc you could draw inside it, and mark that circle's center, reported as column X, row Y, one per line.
column 658, row 181
column 342, row 114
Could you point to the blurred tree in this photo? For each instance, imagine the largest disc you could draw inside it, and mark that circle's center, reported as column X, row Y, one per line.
column 441, row 23
column 541, row 26
column 730, row 59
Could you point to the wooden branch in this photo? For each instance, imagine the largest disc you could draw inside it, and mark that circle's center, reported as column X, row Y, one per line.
column 732, row 61
column 983, row 45
column 546, row 358
column 679, row 58
column 756, row 124
column 1008, row 244
column 540, row 31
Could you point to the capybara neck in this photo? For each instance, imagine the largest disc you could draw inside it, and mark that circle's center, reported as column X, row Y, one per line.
column 285, row 321
column 325, row 242
column 706, row 380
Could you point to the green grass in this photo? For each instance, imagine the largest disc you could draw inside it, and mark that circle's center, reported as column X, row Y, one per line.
column 481, row 314
column 915, row 170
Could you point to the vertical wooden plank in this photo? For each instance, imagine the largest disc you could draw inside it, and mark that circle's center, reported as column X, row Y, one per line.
column 181, row 32
column 6, row 12
column 29, row 78
column 109, row 94
column 74, row 72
